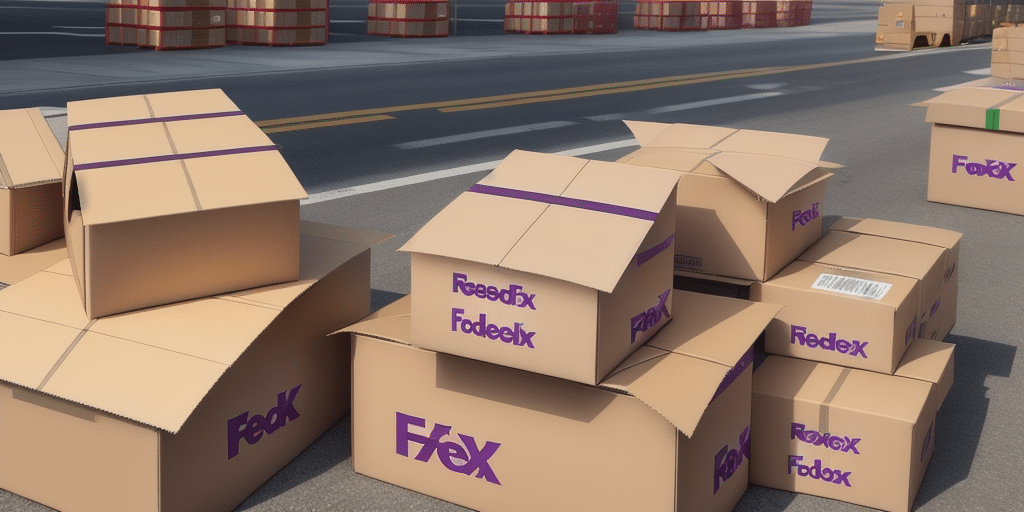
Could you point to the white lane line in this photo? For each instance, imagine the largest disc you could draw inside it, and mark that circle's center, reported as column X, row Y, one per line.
column 483, row 134
column 320, row 197
column 711, row 103
column 80, row 28
column 49, row 34
column 982, row 71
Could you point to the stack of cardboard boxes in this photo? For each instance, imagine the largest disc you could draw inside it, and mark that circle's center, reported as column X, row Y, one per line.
column 278, row 22
column 126, row 383
column 166, row 24
column 408, row 18
column 545, row 361
column 561, row 17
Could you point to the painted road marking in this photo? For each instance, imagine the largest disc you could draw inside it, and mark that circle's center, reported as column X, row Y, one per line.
column 711, row 103
column 451, row 139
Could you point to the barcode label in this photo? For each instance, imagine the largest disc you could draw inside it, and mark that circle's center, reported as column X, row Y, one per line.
column 852, row 286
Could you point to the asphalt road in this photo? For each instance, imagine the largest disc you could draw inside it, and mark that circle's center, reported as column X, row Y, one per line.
column 393, row 174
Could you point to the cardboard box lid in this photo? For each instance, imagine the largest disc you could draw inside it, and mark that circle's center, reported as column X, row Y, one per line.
column 706, row 343
column 769, row 164
column 544, row 214
column 875, row 253
column 990, row 108
column 899, row 230
column 152, row 366
column 683, row 367
column 149, row 155
column 29, row 151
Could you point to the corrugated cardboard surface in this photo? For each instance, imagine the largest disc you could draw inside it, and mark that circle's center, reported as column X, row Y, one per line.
column 226, row 217
column 749, row 201
column 171, row 378
column 866, row 438
column 31, row 159
column 18, row 267
column 602, row 448
column 523, row 231
column 954, row 147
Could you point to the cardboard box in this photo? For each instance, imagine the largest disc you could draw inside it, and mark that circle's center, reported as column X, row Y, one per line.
column 840, row 316
column 939, row 317
column 1008, row 52
column 489, row 437
column 976, row 145
column 180, row 408
column 821, row 429
column 174, row 196
column 30, row 169
column 749, row 201
column 551, row 264
column 22, row 265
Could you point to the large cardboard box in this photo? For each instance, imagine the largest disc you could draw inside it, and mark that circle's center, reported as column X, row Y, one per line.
column 939, row 316
column 174, row 196
column 551, row 264
column 976, row 146
column 841, row 316
column 178, row 408
column 749, row 201
column 822, row 429
column 31, row 160
column 667, row 431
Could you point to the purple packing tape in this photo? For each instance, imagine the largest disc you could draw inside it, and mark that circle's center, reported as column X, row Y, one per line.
column 165, row 158
column 565, row 201
column 735, row 372
column 186, row 117
column 654, row 251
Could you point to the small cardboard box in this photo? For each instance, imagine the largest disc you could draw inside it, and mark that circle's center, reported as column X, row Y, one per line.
column 174, row 196
column 976, row 146
column 667, row 431
column 31, row 160
column 749, row 201
column 178, row 408
column 821, row 429
column 939, row 315
column 840, row 316
column 551, row 264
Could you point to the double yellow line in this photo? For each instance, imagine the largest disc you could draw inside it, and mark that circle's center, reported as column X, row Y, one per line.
column 384, row 113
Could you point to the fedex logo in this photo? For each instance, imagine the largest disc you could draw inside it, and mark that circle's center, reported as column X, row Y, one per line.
column 513, row 295
column 644, row 321
column 515, row 335
column 817, row 472
column 814, row 438
column 464, row 457
column 991, row 168
column 802, row 217
column 853, row 348
column 728, row 460
column 912, row 331
column 251, row 429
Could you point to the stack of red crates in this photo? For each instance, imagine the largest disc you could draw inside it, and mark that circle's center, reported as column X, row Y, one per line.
column 166, row 24
column 759, row 13
column 596, row 17
column 278, row 22
column 674, row 15
column 793, row 13
column 525, row 17
column 404, row 18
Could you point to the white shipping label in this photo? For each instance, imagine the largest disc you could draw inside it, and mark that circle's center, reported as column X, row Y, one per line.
column 852, row 286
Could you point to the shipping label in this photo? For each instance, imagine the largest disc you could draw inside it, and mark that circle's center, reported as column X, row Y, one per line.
column 459, row 453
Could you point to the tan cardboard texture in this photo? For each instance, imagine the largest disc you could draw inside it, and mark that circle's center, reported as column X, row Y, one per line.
column 1008, row 52
column 842, row 316
column 18, row 267
column 940, row 316
column 551, row 264
column 748, row 202
column 174, row 196
column 31, row 160
column 184, row 407
column 495, row 438
column 976, row 143
column 821, row 429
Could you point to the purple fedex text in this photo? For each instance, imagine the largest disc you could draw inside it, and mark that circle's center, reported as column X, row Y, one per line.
column 252, row 428
column 514, row 335
column 728, row 460
column 991, row 168
column 802, row 217
column 644, row 321
column 463, row 458
column 798, row 334
column 817, row 472
column 513, row 295
column 828, row 440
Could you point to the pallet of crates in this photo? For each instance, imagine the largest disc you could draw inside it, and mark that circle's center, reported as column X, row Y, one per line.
column 278, row 22
column 420, row 18
column 725, row 15
column 181, row 24
column 793, row 13
column 672, row 15
column 540, row 17
column 759, row 14
column 122, row 22
column 596, row 17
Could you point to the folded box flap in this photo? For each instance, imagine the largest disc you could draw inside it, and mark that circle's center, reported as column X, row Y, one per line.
column 899, row 230
column 29, row 151
column 784, row 145
column 677, row 135
column 770, row 177
column 392, row 322
column 683, row 160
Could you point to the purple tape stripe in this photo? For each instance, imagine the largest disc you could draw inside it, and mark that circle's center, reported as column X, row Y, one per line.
column 166, row 158
column 565, row 201
column 654, row 251
column 735, row 372
column 187, row 117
